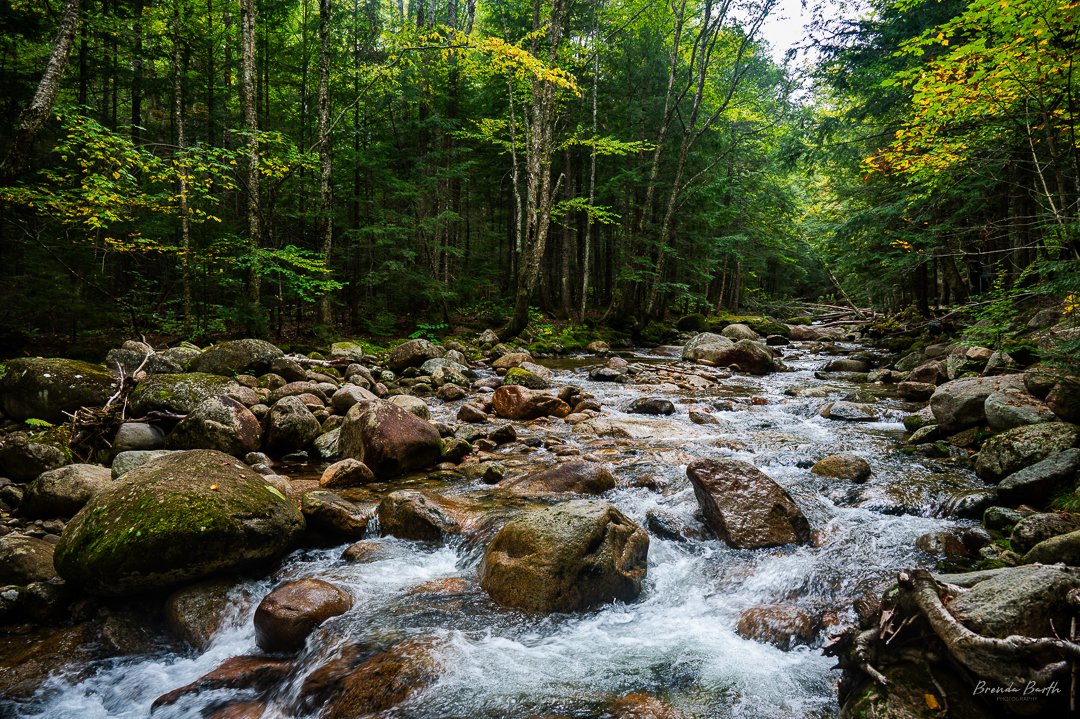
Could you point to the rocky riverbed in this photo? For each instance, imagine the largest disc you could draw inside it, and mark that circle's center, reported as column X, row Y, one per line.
column 469, row 531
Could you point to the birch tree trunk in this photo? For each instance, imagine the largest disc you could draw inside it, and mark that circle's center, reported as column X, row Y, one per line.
column 34, row 116
column 181, row 143
column 326, row 189
column 251, row 126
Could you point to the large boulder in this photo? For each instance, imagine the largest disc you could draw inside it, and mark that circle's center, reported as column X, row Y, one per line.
column 706, row 347
column 1064, row 399
column 1029, row 601
column 63, row 492
column 744, row 507
column 1036, row 484
column 1018, row 448
column 178, row 393
column 291, row 426
column 46, row 388
column 388, row 439
column 186, row 516
column 412, row 353
column 288, row 614
column 1035, row 528
column 235, row 357
column 564, row 558
column 960, row 404
column 736, row 331
column 1063, row 549
column 518, row 402
column 579, row 476
column 1014, row 407
column 219, row 423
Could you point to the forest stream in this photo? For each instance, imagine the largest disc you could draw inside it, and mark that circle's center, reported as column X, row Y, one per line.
column 688, row 639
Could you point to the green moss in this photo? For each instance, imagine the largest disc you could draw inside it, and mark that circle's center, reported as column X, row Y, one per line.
column 657, row 332
column 804, row 321
column 692, row 323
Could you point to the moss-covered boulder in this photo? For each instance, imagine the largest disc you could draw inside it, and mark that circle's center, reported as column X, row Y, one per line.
column 25, row 455
column 525, row 378
column 186, row 516
column 236, row 357
column 45, row 388
column 178, row 393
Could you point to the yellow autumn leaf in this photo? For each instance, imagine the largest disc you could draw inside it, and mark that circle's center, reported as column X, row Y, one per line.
column 931, row 702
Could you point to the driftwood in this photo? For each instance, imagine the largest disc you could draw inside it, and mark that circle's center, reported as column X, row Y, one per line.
column 1012, row 660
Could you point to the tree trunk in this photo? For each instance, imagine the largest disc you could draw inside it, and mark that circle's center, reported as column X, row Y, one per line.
column 326, row 189
column 137, row 66
column 182, row 188
column 34, row 116
column 251, row 127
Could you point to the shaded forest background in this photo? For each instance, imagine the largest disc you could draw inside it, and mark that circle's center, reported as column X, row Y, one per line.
column 314, row 168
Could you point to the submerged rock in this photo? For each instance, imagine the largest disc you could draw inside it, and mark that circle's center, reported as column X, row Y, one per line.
column 781, row 625
column 579, row 476
column 186, row 516
column 564, row 558
column 384, row 681
column 843, row 466
column 744, row 507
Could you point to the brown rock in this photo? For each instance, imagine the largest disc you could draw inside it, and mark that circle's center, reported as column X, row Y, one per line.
column 580, row 477
column 781, row 625
column 639, row 705
column 388, row 439
column 334, row 516
column 422, row 516
column 25, row 559
column 517, row 402
column 744, row 507
column 572, row 556
column 346, row 473
column 196, row 612
column 385, row 680
column 511, row 359
column 366, row 550
column 288, row 614
column 242, row 672
column 843, row 466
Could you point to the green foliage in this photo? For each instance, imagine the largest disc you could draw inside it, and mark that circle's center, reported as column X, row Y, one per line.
column 428, row 331
column 38, row 423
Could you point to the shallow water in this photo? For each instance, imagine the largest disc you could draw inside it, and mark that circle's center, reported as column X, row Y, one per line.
column 677, row 641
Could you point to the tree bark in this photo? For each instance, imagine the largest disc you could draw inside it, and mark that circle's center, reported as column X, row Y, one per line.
column 182, row 188
column 326, row 189
column 34, row 116
column 251, row 127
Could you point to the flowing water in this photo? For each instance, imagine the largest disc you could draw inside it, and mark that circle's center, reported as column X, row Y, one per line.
column 678, row 641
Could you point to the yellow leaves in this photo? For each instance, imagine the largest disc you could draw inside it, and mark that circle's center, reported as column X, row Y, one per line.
column 931, row 702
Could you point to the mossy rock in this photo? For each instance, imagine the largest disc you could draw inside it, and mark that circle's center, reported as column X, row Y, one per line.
column 184, row 517
column 46, row 388
column 178, row 393
column 804, row 321
column 25, row 455
column 248, row 356
column 692, row 323
column 525, row 378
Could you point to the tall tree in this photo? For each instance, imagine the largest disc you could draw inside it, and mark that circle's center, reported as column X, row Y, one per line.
column 251, row 127
column 326, row 189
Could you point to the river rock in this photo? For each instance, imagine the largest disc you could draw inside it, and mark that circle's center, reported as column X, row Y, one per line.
column 580, row 477
column 960, row 404
column 1021, row 447
column 346, row 473
column 847, row 365
column 736, row 332
column 640, row 705
column 1014, row 408
column 511, row 359
column 25, row 455
column 326, row 446
column 412, row 405
column 290, row 427
column 932, row 372
column 334, row 517
column 525, row 378
column 24, row 560
column 1034, row 528
column 843, row 466
column 288, row 614
column 1064, row 548
column 246, row 673
column 219, row 423
column 651, row 405
column 1064, row 400
column 418, row 515
column 383, row 681
column 127, row 461
column 247, row 356
column 915, row 391
column 744, row 507
column 706, row 346
column 178, row 393
column 197, row 612
column 1036, row 484
column 183, row 517
column 349, row 395
column 412, row 353
column 388, row 439
column 46, row 388
column 299, row 389
column 781, row 625
column 517, row 402
column 63, row 492
column 844, row 411
column 347, row 350
column 136, row 436
column 569, row 557
column 1029, row 601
